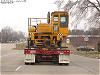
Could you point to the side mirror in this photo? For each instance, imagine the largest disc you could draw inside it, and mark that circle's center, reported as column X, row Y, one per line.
column 48, row 17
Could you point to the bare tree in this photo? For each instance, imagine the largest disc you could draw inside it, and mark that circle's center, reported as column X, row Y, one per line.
column 80, row 10
column 69, row 5
column 59, row 3
column 95, row 5
column 8, row 34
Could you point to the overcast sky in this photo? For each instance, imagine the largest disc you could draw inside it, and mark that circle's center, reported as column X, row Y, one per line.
column 16, row 14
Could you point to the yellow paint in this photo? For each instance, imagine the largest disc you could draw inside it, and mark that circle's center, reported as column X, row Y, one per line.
column 31, row 28
column 45, row 30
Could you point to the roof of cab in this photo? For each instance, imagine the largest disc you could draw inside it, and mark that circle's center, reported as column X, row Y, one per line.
column 59, row 12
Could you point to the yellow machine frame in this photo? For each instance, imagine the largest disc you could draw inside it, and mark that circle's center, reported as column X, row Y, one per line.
column 52, row 29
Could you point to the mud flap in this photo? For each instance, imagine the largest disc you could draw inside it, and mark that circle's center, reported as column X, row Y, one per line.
column 64, row 58
column 29, row 58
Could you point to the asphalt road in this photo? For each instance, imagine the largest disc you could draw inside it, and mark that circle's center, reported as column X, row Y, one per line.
column 12, row 62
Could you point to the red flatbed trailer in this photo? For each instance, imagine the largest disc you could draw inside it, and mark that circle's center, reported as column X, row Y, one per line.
column 38, row 55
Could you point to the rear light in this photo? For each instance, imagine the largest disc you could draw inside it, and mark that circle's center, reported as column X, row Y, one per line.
column 26, row 51
column 64, row 52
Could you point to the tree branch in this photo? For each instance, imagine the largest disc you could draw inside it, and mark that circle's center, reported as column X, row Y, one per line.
column 94, row 5
column 98, row 3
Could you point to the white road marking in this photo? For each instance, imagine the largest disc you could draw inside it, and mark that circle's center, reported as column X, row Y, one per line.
column 18, row 68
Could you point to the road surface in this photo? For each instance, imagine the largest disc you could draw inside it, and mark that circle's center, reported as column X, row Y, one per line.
column 12, row 62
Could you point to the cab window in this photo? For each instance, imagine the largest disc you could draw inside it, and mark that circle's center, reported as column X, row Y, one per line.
column 63, row 21
column 55, row 18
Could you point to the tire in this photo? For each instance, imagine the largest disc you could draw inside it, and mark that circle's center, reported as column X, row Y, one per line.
column 67, row 64
column 32, row 63
column 64, row 64
column 60, row 64
column 26, row 63
column 56, row 58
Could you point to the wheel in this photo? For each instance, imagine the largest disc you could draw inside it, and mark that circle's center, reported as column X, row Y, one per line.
column 64, row 64
column 56, row 59
column 67, row 64
column 37, row 58
column 32, row 63
column 60, row 64
column 26, row 63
